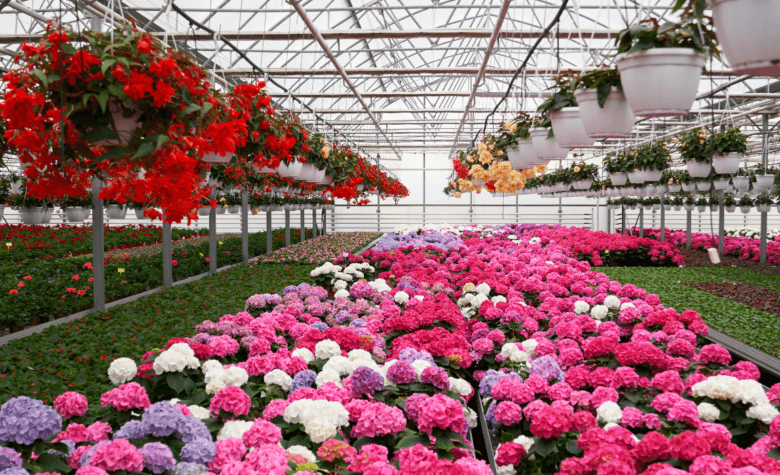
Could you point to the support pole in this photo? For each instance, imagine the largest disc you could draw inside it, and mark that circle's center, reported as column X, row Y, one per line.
column 560, row 210
column 98, row 256
column 166, row 256
column 378, row 212
column 471, row 207
column 641, row 221
column 687, row 229
column 303, row 225
column 721, row 222
column 314, row 223
column 517, row 209
column 213, row 236
column 663, row 220
column 324, row 222
column 245, row 226
column 287, row 227
column 623, row 218
column 268, row 241
column 764, row 160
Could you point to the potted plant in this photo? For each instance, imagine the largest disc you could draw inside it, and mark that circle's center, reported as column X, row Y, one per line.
column 764, row 181
column 674, row 182
column 729, row 202
column 689, row 203
column 564, row 113
column 660, row 65
column 745, row 204
column 581, row 175
column 727, row 150
column 695, row 152
column 701, row 204
column 677, row 202
column 616, row 167
column 703, row 184
column 687, row 184
column 763, row 202
column 604, row 110
column 653, row 159
column 544, row 143
column 515, row 138
column 114, row 209
column 721, row 182
column 714, row 202
column 32, row 210
column 77, row 209
column 631, row 203
column 742, row 180
column 233, row 201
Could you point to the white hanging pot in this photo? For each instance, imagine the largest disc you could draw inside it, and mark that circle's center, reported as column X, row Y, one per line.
column 568, row 128
column 653, row 175
column 745, row 209
column 292, row 170
column 661, row 189
column 327, row 180
column 703, row 185
column 139, row 213
column 515, row 157
column 698, row 169
column 688, row 187
column 582, row 184
column 677, row 207
column 528, row 152
column 216, row 158
column 764, row 182
column 75, row 214
column 234, row 209
column 221, row 209
column 747, row 31
column 731, row 209
column 125, row 127
column 618, row 178
column 675, row 188
column 544, row 148
column 116, row 212
column 360, row 187
column 701, row 209
column 656, row 206
column 741, row 183
column 649, row 190
column 34, row 215
column 636, row 177
column 264, row 170
column 204, row 211
column 763, row 208
column 318, row 176
column 614, row 120
column 660, row 81
column 689, row 207
column 721, row 184
column 726, row 163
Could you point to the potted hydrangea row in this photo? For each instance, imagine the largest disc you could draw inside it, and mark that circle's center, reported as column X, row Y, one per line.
column 604, row 110
column 660, row 65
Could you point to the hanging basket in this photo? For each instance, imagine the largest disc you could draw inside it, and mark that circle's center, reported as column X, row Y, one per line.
column 327, row 180
column 515, row 157
column 675, row 188
column 614, row 120
column 234, row 209
column 568, row 128
column 216, row 158
column 741, row 183
column 292, row 170
column 703, row 185
column 75, row 214
column 544, row 148
column 661, row 81
column 653, row 175
column 763, row 208
column 698, row 169
column 636, row 177
column 124, row 127
column 749, row 34
column 745, row 209
column 582, row 184
column 116, row 212
column 726, row 163
column 689, row 187
column 34, row 215
column 618, row 178
column 731, row 209
column 720, row 184
column 764, row 182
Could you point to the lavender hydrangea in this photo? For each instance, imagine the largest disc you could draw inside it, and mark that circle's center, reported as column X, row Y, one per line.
column 189, row 468
column 489, row 379
column 15, row 471
column 24, row 420
column 290, row 289
column 358, row 322
column 200, row 451
column 342, row 316
column 9, row 458
column 401, row 372
column 162, row 419
column 547, row 368
column 157, row 457
column 87, row 456
column 303, row 379
column 321, row 326
column 200, row 338
column 490, row 417
column 366, row 381
column 193, row 429
column 410, row 355
column 132, row 430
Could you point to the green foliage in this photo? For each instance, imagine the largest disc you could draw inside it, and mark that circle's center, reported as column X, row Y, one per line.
column 652, row 156
column 731, row 141
column 648, row 34
column 603, row 80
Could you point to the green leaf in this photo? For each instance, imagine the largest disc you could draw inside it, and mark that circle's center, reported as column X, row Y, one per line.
column 602, row 92
column 411, row 441
column 145, row 149
column 51, row 463
column 103, row 100
column 178, row 382
column 544, row 447
column 106, row 64
column 99, row 134
column 444, row 443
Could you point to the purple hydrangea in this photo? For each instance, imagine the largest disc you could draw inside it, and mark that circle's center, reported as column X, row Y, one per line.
column 9, row 458
column 361, row 290
column 15, row 471
column 162, row 419
column 193, row 429
column 358, row 322
column 410, row 355
column 489, row 379
column 200, row 338
column 511, row 316
column 189, row 468
column 303, row 379
column 71, row 447
column 200, row 451
column 547, row 368
column 401, row 372
column 342, row 316
column 321, row 326
column 366, row 381
column 490, row 416
column 255, row 301
column 131, row 430
column 24, row 420
column 412, row 405
column 436, row 376
column 290, row 289
column 157, row 457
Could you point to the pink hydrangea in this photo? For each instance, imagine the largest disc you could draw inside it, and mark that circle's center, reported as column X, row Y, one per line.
column 368, row 455
column 126, row 397
column 688, row 446
column 262, row 432
column 550, row 422
column 223, row 346
column 90, row 470
column 379, row 419
column 508, row 413
column 231, row 399
column 442, row 412
column 118, row 455
column 229, row 450
column 268, row 460
column 71, row 404
column 275, row 408
column 714, row 353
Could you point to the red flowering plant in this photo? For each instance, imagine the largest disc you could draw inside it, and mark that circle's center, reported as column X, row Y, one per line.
column 119, row 105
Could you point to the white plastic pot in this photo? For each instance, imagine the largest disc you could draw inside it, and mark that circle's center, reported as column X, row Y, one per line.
column 688, row 187
column 653, row 175
column 661, row 189
column 688, row 207
column 721, row 183
column 726, row 163
column 701, row 209
column 204, row 211
column 515, row 158
column 216, row 158
column 568, row 128
column 745, row 209
column 764, row 182
column 32, row 215
column 650, row 190
column 139, row 213
column 741, row 183
column 660, row 81
column 731, row 209
column 618, row 178
column 327, row 180
column 544, row 148
column 677, row 207
column 116, row 212
column 221, row 209
column 675, row 188
column 749, row 34
column 528, row 152
column 703, row 185
column 763, row 208
column 292, row 170
column 582, row 184
column 318, row 176
column 698, row 169
column 636, row 177
column 235, row 209
column 614, row 120
column 656, row 206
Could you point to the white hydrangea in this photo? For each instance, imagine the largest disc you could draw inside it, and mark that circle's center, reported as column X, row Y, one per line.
column 359, row 354
column 751, row 392
column 174, row 362
column 321, row 419
column 471, row 417
column 401, row 297
column 609, row 412
column 304, row 353
column 122, row 370
column 581, row 307
column 469, row 287
column 340, row 285
column 525, row 441
column 460, row 386
column 506, row 469
column 339, row 364
column 327, row 349
column 303, row 451
column 199, row 412
column 234, row 429
column 534, row 240
column 626, row 305
column 214, row 375
column 509, row 349
column 708, row 412
column 763, row 412
column 529, row 346
column 235, row 376
column 182, row 348
column 498, row 299
column 483, row 289
column 519, row 357
column 478, row 299
column 419, row 366
column 612, row 301
column 327, row 268
column 599, row 312
column 731, row 389
column 210, row 365
column 215, row 386
column 341, row 293
column 327, row 376
column 280, row 378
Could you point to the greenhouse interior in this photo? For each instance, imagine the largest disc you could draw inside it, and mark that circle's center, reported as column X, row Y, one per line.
column 390, row 237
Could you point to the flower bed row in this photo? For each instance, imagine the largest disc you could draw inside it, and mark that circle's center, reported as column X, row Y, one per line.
column 745, row 248
column 580, row 375
column 21, row 243
column 34, row 292
column 322, row 249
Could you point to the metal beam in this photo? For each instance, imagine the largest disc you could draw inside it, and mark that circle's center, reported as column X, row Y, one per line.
column 313, row 29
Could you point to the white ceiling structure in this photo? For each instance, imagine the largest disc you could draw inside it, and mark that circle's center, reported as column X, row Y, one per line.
column 402, row 76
